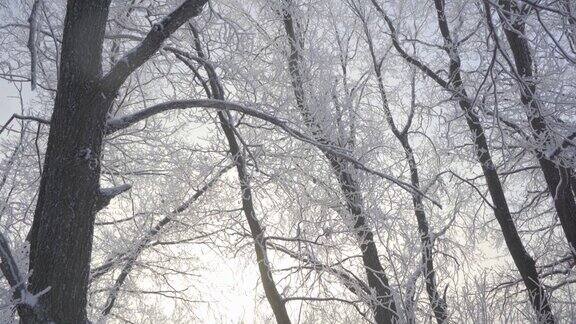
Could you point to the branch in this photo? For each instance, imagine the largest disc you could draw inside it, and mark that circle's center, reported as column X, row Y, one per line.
column 130, row 256
column 133, row 255
column 9, row 268
column 394, row 35
column 28, row 304
column 321, row 299
column 32, row 40
column 151, row 43
column 348, row 279
column 105, row 195
column 16, row 116
column 565, row 143
column 123, row 122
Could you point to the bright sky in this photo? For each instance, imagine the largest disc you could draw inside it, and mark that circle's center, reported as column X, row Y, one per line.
column 8, row 100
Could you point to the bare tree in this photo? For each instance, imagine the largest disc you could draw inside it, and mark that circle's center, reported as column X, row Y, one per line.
column 558, row 176
column 437, row 302
column 124, row 148
column 383, row 306
column 524, row 263
column 70, row 193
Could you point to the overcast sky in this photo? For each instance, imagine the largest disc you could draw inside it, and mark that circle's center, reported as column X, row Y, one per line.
column 9, row 100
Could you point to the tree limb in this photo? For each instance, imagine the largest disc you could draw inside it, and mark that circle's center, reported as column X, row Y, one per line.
column 124, row 122
column 151, row 43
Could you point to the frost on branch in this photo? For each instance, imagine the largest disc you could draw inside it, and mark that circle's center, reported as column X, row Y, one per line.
column 105, row 195
column 20, row 294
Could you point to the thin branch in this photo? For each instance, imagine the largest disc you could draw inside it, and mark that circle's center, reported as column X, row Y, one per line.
column 17, row 116
column 33, row 40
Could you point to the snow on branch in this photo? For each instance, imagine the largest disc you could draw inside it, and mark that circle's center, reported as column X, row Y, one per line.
column 33, row 40
column 17, row 116
column 21, row 296
column 151, row 43
column 125, row 121
column 107, row 194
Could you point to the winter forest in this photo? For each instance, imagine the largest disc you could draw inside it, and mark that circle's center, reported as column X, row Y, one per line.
column 287, row 161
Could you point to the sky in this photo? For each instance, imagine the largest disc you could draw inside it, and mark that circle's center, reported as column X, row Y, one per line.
column 9, row 100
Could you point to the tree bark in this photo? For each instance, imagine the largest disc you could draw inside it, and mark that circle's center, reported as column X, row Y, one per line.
column 61, row 233
column 70, row 195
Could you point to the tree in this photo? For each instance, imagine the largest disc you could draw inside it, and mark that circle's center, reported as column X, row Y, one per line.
column 384, row 306
column 70, row 193
column 373, row 159
column 525, row 264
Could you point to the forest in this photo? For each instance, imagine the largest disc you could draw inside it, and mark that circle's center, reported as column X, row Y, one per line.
column 287, row 161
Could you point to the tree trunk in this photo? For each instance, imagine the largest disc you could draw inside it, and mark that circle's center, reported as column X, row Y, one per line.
column 216, row 91
column 437, row 303
column 524, row 262
column 557, row 176
column 383, row 306
column 69, row 197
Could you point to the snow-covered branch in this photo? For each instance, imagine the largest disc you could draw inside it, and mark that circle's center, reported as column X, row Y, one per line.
column 105, row 195
column 154, row 39
column 21, row 117
column 123, row 122
column 32, row 41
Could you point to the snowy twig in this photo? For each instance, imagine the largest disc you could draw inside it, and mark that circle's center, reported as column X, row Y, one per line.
column 17, row 116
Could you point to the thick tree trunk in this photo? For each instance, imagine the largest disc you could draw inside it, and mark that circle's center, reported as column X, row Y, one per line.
column 70, row 194
column 61, row 234
column 557, row 176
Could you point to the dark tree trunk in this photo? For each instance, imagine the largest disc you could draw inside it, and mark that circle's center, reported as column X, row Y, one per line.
column 437, row 303
column 70, row 195
column 557, row 176
column 383, row 306
column 61, row 234
column 523, row 261
column 274, row 298
column 216, row 91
